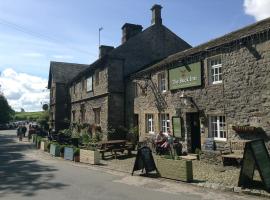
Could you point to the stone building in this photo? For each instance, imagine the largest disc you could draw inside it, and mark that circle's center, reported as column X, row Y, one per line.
column 218, row 90
column 98, row 93
column 59, row 75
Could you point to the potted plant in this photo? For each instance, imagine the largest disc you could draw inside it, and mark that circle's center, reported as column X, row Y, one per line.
column 90, row 154
column 48, row 144
column 55, row 149
column 62, row 149
column 43, row 144
column 176, row 169
column 68, row 152
column 76, row 155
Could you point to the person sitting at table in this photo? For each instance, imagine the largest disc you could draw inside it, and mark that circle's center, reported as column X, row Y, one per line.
column 161, row 143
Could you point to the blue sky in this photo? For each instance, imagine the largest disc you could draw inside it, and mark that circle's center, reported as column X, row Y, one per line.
column 34, row 32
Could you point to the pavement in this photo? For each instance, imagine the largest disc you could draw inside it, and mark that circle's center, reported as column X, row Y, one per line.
column 27, row 173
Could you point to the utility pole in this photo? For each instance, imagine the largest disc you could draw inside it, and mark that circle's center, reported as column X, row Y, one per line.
column 99, row 30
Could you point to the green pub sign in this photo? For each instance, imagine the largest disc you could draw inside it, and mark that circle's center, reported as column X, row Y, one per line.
column 185, row 76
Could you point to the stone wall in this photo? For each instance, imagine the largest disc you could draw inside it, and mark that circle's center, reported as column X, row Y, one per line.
column 81, row 93
column 243, row 97
column 101, row 102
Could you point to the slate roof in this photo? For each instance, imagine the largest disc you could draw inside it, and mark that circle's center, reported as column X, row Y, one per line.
column 241, row 34
column 152, row 44
column 63, row 72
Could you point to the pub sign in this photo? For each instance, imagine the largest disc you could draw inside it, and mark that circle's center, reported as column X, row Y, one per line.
column 185, row 76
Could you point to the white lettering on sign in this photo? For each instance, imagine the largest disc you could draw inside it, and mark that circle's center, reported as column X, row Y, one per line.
column 185, row 80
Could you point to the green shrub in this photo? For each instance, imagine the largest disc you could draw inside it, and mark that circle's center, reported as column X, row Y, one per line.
column 76, row 152
column 62, row 148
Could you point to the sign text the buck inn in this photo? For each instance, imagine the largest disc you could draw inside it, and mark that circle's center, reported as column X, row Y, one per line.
column 185, row 76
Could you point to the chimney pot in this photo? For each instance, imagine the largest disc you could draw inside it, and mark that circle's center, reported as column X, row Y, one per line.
column 156, row 15
column 129, row 31
column 104, row 50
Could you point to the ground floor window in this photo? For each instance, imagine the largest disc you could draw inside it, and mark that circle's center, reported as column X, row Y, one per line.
column 73, row 115
column 217, row 127
column 82, row 113
column 149, row 123
column 164, row 122
column 97, row 115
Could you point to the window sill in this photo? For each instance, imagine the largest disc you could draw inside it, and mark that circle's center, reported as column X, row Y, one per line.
column 220, row 139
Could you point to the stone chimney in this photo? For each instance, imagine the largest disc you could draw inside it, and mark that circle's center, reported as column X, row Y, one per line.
column 130, row 30
column 156, row 15
column 104, row 50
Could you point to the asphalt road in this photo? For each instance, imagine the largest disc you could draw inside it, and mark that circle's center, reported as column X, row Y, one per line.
column 26, row 173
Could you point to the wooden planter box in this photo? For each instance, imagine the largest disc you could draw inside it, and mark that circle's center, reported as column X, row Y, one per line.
column 34, row 138
column 55, row 150
column 89, row 156
column 68, row 153
column 175, row 169
column 43, row 145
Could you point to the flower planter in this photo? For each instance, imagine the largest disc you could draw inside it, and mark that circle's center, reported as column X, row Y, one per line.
column 244, row 129
column 42, row 145
column 55, row 150
column 68, row 153
column 89, row 156
column 34, row 137
column 175, row 169
column 76, row 158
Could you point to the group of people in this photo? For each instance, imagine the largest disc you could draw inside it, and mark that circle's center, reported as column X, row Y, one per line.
column 21, row 130
column 163, row 142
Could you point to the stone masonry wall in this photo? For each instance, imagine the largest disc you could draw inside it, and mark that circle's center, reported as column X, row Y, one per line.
column 243, row 96
column 89, row 106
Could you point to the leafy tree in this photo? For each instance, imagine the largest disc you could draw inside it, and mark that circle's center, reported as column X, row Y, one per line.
column 6, row 112
column 44, row 119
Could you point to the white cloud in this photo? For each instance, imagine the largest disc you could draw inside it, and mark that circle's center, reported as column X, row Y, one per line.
column 259, row 9
column 62, row 56
column 33, row 54
column 23, row 90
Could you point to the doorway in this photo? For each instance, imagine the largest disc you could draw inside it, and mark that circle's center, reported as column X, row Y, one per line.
column 195, row 133
column 136, row 124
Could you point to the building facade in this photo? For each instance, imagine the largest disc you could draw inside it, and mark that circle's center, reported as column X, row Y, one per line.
column 217, row 91
column 59, row 76
column 98, row 93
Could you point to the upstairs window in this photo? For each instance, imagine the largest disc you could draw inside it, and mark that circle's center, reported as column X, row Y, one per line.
column 89, row 84
column 149, row 123
column 215, row 68
column 83, row 84
column 161, row 82
column 97, row 72
column 135, row 90
column 217, row 126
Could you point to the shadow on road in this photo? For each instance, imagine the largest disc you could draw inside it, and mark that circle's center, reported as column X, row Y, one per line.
column 19, row 175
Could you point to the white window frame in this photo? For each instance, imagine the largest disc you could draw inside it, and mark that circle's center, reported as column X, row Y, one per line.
column 162, row 82
column 149, row 123
column 217, row 125
column 215, row 70
column 165, row 122
column 135, row 89
column 89, row 84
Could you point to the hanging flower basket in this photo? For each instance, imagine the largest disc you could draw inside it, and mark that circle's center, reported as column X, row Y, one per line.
column 244, row 129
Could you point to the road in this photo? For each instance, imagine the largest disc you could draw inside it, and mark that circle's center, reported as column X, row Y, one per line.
column 27, row 173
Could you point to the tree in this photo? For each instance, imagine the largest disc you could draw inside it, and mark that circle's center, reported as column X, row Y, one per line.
column 6, row 112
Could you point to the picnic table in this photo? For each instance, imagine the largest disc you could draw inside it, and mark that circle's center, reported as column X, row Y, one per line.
column 114, row 146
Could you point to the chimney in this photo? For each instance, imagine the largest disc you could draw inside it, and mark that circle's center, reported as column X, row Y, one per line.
column 104, row 50
column 156, row 15
column 130, row 30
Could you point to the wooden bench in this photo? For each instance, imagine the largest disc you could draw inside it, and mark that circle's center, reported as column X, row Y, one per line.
column 234, row 151
column 114, row 147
